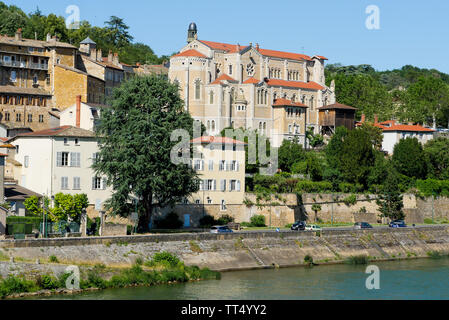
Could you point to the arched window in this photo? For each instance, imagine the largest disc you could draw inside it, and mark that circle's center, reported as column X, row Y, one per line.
column 274, row 96
column 311, row 103
column 232, row 94
column 197, row 89
column 264, row 128
column 208, row 125
column 294, row 98
column 211, row 95
column 265, row 97
column 213, row 125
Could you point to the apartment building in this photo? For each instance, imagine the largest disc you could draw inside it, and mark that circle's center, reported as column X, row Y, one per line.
column 39, row 77
column 59, row 160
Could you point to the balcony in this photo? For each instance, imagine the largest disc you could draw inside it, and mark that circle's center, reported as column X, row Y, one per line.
column 24, row 65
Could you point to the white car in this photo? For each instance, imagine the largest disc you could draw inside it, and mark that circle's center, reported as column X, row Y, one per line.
column 313, row 227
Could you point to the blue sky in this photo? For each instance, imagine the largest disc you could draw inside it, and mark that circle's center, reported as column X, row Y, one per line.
column 411, row 32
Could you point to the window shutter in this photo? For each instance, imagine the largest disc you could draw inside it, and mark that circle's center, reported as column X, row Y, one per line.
column 237, row 166
column 211, row 165
column 201, row 185
column 59, row 159
column 94, row 158
column 202, row 165
column 214, row 185
column 238, row 185
column 104, row 183
column 93, row 183
column 223, row 185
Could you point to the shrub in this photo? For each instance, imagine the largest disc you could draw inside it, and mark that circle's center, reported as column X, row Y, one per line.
column 13, row 285
column 165, row 256
column 428, row 221
column 47, row 282
column 308, row 259
column 207, row 221
column 258, row 221
column 350, row 200
column 313, row 187
column 225, row 219
column 170, row 221
column 53, row 259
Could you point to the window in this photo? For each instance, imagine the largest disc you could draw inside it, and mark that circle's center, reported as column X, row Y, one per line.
column 98, row 183
column 13, row 76
column 77, row 142
column 197, row 201
column 223, row 185
column 211, row 96
column 76, row 183
column 232, row 185
column 230, row 69
column 211, row 165
column 199, row 165
column 209, row 200
column 222, row 165
column 30, row 117
column 213, row 125
column 75, row 159
column 64, row 183
column 223, row 205
column 6, row 116
column 26, row 161
column 35, row 80
column 41, row 118
column 66, row 141
column 18, row 117
column 197, row 89
column 62, row 159
column 210, row 185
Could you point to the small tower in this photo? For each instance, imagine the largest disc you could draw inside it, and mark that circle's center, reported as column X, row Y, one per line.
column 89, row 47
column 192, row 33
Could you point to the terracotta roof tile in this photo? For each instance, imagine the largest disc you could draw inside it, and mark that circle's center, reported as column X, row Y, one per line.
column 284, row 55
column 251, row 81
column 190, row 53
column 285, row 102
column 64, row 131
column 294, row 84
column 230, row 48
column 223, row 77
column 404, row 127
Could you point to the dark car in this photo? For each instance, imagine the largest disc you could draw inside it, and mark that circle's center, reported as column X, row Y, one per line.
column 362, row 225
column 397, row 224
column 220, row 229
column 299, row 226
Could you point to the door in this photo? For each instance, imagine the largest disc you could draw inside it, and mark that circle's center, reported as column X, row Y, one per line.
column 187, row 221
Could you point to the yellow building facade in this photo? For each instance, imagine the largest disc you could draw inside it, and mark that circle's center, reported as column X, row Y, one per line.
column 231, row 85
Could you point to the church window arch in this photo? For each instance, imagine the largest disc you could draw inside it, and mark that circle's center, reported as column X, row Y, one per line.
column 197, row 89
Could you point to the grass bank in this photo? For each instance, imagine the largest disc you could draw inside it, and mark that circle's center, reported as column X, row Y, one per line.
column 163, row 268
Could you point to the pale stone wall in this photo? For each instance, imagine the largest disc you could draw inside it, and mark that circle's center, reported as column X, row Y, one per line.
column 112, row 229
column 2, row 223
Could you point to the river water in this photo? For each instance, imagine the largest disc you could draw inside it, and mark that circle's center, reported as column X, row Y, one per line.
column 404, row 280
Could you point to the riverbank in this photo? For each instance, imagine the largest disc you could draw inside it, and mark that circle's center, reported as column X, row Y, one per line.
column 237, row 251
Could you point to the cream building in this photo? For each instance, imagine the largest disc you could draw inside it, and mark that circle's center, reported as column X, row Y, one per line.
column 59, row 160
column 229, row 85
column 220, row 162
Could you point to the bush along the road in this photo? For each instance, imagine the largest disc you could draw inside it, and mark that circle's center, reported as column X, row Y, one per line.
column 163, row 268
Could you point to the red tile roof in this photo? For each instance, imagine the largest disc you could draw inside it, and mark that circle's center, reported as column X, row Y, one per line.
column 223, row 77
column 190, row 53
column 321, row 57
column 404, row 127
column 294, row 84
column 212, row 139
column 284, row 55
column 285, row 102
column 251, row 81
column 3, row 155
column 233, row 48
column 336, row 106
column 388, row 123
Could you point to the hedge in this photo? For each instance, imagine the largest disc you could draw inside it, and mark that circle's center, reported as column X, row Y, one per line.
column 313, row 187
column 433, row 187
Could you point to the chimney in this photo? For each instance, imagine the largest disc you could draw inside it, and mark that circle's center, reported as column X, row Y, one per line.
column 110, row 57
column 250, row 44
column 78, row 111
column 99, row 55
column 363, row 118
column 2, row 177
column 376, row 119
column 257, row 46
column 19, row 34
column 238, row 47
column 48, row 37
column 116, row 61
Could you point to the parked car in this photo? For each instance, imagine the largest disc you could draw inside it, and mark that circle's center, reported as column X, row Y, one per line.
column 299, row 226
column 313, row 227
column 397, row 224
column 362, row 225
column 220, row 229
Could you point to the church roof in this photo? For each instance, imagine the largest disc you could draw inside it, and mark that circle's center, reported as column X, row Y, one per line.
column 223, row 77
column 294, row 84
column 251, row 81
column 190, row 53
column 287, row 103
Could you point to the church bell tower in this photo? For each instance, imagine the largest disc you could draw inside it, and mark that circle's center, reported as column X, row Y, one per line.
column 192, row 33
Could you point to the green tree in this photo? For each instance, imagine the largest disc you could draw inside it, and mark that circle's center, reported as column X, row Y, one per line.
column 290, row 152
column 55, row 25
column 135, row 146
column 311, row 166
column 33, row 206
column 315, row 140
column 437, row 155
column 68, row 207
column 334, row 146
column 11, row 19
column 427, row 101
column 390, row 200
column 117, row 32
column 409, row 159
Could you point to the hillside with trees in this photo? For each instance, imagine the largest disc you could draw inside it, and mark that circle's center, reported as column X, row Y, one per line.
column 114, row 35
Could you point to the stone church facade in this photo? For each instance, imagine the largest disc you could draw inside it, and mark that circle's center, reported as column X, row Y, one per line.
column 229, row 85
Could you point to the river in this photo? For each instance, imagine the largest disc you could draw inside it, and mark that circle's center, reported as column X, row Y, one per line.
column 404, row 280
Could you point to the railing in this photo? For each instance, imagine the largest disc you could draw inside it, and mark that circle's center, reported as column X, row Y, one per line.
column 21, row 64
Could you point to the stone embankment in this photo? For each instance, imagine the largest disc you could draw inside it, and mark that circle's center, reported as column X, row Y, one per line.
column 223, row 252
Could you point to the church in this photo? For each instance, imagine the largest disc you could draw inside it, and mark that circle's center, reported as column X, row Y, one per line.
column 245, row 86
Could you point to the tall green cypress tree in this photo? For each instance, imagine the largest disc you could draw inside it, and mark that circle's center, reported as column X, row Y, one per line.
column 390, row 199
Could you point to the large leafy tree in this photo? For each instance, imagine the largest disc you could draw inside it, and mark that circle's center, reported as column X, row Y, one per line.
column 437, row 154
column 427, row 101
column 409, row 159
column 117, row 31
column 68, row 207
column 135, row 146
column 11, row 19
column 290, row 152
